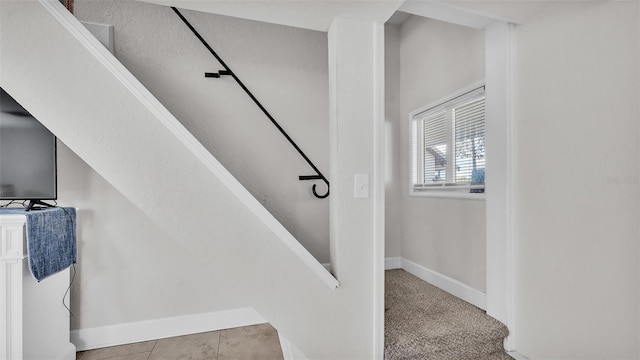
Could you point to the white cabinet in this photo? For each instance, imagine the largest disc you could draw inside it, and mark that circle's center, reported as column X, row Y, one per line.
column 34, row 324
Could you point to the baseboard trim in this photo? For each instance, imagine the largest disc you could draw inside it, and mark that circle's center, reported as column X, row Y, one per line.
column 127, row 333
column 290, row 351
column 112, row 335
column 391, row 263
column 285, row 345
column 516, row 355
column 450, row 285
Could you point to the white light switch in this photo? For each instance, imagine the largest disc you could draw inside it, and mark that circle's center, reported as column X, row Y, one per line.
column 361, row 186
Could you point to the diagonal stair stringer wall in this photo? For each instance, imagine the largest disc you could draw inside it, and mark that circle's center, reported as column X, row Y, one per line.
column 67, row 80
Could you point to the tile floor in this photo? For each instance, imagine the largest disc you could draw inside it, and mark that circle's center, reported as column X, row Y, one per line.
column 244, row 343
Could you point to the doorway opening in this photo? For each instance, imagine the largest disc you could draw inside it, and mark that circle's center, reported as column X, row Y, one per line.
column 461, row 243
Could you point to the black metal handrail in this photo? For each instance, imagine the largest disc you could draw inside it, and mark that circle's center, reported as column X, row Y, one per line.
column 228, row 72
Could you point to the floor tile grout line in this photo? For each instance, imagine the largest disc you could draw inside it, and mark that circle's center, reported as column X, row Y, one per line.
column 154, row 343
column 129, row 353
column 153, row 348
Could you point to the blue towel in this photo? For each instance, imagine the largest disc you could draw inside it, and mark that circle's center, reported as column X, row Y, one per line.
column 51, row 239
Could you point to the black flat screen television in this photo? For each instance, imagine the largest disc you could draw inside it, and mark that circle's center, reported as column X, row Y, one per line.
column 28, row 168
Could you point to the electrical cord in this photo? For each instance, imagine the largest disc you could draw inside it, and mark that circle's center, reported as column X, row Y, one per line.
column 73, row 277
column 7, row 204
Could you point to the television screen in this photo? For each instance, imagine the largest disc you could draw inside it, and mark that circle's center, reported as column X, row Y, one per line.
column 27, row 154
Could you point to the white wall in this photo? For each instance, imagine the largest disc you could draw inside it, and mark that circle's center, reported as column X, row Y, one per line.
column 286, row 69
column 444, row 235
column 356, row 73
column 125, row 261
column 393, row 213
column 577, row 260
column 577, row 264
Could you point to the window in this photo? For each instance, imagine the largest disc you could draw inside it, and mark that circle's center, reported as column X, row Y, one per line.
column 448, row 152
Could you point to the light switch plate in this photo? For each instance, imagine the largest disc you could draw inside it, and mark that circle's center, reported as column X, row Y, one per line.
column 361, row 186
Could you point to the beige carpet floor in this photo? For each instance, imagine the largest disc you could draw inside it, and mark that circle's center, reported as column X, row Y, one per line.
column 424, row 322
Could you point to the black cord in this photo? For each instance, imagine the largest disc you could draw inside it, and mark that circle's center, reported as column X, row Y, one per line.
column 24, row 203
column 66, row 213
column 73, row 265
column 73, row 277
column 7, row 204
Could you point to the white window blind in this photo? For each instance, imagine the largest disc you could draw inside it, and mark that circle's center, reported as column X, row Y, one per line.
column 435, row 147
column 448, row 151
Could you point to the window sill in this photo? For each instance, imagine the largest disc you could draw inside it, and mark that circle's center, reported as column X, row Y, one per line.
column 448, row 195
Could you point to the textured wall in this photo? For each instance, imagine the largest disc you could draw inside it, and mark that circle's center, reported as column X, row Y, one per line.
column 286, row 68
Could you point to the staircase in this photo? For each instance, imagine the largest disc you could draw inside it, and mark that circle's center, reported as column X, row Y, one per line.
column 75, row 87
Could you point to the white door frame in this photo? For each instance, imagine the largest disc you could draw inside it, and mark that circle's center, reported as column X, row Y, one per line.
column 500, row 198
column 500, row 144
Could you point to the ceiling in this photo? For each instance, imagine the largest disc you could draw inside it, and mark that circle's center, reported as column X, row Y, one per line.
column 398, row 18
column 319, row 14
column 307, row 14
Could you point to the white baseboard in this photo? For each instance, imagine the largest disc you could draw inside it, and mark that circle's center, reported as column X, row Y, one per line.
column 290, row 351
column 516, row 355
column 452, row 286
column 389, row 263
column 112, row 335
column 393, row 263
column 98, row 337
